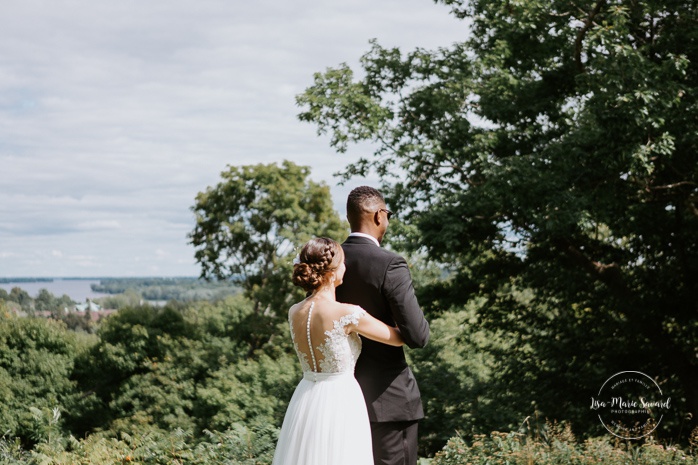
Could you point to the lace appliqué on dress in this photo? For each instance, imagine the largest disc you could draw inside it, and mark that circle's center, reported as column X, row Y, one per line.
column 341, row 350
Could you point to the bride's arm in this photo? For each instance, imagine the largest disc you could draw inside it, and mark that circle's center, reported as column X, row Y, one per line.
column 378, row 331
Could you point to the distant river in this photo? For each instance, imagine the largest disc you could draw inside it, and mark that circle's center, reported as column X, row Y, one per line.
column 77, row 289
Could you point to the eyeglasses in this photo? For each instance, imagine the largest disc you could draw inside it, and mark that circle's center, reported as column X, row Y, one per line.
column 390, row 214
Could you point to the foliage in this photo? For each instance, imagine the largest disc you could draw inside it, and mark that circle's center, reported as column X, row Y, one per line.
column 253, row 393
column 47, row 302
column 458, row 378
column 556, row 445
column 44, row 301
column 36, row 360
column 183, row 384
column 177, row 384
column 129, row 298
column 191, row 367
column 551, row 155
column 20, row 297
column 249, row 226
column 239, row 445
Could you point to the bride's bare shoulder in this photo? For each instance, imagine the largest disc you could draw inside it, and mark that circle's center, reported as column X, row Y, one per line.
column 328, row 310
column 351, row 308
column 295, row 308
column 340, row 307
column 342, row 310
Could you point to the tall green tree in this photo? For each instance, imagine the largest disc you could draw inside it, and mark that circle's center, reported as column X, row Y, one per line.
column 251, row 224
column 37, row 357
column 186, row 366
column 554, row 150
column 22, row 297
column 47, row 302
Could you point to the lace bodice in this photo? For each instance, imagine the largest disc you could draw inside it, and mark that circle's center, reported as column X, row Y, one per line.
column 339, row 350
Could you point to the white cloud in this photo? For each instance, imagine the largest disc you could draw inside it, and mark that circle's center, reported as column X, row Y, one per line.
column 113, row 115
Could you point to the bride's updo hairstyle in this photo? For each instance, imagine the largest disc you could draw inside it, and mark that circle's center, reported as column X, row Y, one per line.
column 318, row 258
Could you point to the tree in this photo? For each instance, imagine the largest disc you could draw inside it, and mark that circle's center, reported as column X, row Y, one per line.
column 185, row 365
column 250, row 225
column 555, row 150
column 22, row 297
column 141, row 372
column 36, row 359
column 47, row 302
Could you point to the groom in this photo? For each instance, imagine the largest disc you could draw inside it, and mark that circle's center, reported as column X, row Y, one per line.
column 380, row 282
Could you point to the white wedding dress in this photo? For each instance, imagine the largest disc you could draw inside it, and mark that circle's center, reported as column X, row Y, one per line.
column 326, row 422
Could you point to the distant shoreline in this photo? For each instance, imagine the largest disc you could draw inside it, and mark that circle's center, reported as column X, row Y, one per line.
column 25, row 280
column 79, row 289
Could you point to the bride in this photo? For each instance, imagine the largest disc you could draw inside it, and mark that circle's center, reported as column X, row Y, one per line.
column 326, row 422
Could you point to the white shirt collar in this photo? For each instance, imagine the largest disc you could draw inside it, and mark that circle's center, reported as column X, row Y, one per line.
column 358, row 234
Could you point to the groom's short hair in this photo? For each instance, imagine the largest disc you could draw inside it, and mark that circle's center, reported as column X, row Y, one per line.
column 362, row 199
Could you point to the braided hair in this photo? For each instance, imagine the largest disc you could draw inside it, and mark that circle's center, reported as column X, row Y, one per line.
column 318, row 258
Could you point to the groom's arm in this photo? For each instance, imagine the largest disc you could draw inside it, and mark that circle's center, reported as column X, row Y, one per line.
column 409, row 318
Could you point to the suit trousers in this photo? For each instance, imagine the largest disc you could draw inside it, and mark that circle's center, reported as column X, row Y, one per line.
column 394, row 442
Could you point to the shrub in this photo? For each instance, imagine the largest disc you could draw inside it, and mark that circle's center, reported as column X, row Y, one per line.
column 37, row 357
column 239, row 445
column 558, row 447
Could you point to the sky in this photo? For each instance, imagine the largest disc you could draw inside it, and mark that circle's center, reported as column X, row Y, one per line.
column 115, row 114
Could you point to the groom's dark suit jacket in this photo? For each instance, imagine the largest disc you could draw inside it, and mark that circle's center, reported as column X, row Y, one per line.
column 379, row 281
